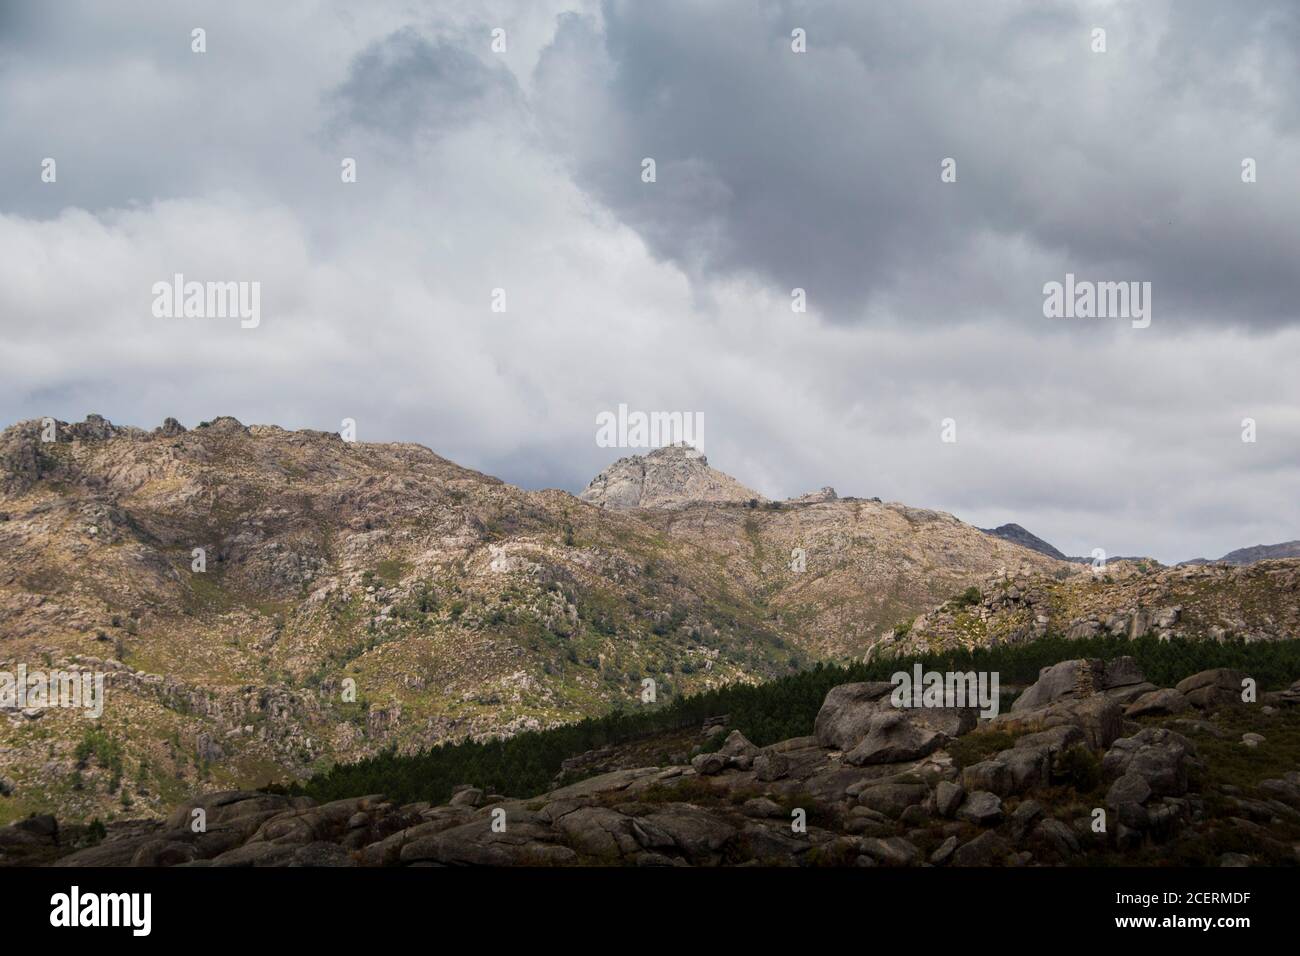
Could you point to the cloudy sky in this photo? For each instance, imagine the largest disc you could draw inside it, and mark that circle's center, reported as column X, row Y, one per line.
column 479, row 169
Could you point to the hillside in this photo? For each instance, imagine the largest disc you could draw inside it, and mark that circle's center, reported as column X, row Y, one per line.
column 459, row 605
column 1215, row 602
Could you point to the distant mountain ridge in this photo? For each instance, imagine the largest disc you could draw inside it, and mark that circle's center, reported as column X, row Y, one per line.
column 1260, row 552
column 1018, row 535
column 1242, row 556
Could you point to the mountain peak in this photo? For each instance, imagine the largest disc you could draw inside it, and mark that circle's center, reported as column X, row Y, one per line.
column 1026, row 539
column 673, row 476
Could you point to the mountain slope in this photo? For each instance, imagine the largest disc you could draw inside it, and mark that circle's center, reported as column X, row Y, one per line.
column 1216, row 602
column 866, row 564
column 453, row 604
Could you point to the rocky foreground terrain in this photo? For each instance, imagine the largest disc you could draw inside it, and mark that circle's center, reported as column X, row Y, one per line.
column 1091, row 765
column 264, row 603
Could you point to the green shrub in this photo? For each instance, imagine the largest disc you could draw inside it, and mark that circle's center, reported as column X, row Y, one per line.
column 1080, row 768
column 977, row 746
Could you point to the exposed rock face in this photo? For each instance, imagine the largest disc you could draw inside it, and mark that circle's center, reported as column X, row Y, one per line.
column 853, row 712
column 671, row 477
column 892, row 738
column 1158, row 757
column 1073, row 704
column 815, row 497
column 428, row 585
column 1213, row 688
column 1080, row 678
column 1158, row 702
column 982, row 808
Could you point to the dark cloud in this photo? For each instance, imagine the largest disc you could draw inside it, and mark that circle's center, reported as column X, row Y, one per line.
column 821, row 170
column 408, row 86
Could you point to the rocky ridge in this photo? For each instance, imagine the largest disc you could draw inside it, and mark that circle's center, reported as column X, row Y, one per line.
column 1262, row 552
column 1256, row 602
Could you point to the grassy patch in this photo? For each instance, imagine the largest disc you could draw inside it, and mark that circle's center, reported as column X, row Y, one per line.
column 1231, row 762
column 979, row 745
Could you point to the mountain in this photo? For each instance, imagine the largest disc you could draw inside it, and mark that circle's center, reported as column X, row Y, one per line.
column 1260, row 552
column 674, row 476
column 1018, row 535
column 265, row 602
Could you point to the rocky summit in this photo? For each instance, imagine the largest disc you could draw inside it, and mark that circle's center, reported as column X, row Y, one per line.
column 263, row 603
column 674, row 476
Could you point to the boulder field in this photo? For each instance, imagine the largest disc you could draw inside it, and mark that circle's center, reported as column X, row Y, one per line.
column 1092, row 763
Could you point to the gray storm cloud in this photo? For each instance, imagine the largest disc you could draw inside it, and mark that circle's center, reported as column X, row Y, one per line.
column 821, row 170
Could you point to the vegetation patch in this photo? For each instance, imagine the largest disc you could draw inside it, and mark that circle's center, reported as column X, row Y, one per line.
column 526, row 765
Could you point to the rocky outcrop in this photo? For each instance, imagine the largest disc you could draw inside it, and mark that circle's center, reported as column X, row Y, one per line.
column 892, row 737
column 851, row 712
column 1218, row 687
column 1082, row 678
column 670, row 477
column 1158, row 703
column 826, row 493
